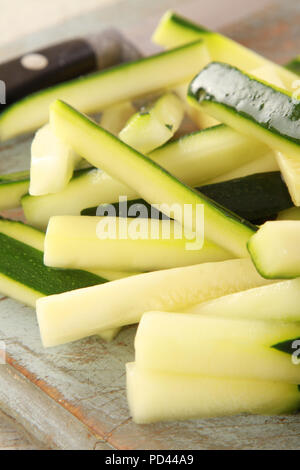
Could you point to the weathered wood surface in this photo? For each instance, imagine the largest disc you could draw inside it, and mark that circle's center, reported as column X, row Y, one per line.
column 73, row 396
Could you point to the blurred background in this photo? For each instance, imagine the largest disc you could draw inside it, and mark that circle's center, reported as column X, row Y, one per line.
column 27, row 22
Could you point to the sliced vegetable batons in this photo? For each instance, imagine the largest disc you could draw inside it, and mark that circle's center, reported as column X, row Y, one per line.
column 155, row 396
column 150, row 180
column 76, row 314
column 218, row 347
column 262, row 111
column 23, row 275
column 275, row 249
column 194, row 159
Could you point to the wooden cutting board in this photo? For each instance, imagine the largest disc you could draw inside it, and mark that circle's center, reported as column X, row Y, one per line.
column 74, row 396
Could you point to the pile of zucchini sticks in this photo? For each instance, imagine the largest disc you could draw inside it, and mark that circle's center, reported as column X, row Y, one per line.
column 195, row 236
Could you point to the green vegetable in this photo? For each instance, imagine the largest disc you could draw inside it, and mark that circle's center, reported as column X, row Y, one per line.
column 155, row 396
column 289, row 214
column 95, row 92
column 294, row 65
column 290, row 169
column 275, row 249
column 23, row 275
column 175, row 30
column 74, row 315
column 194, row 159
column 114, row 118
column 256, row 198
column 217, row 347
column 23, row 272
column 248, row 105
column 78, row 242
column 151, row 181
column 12, row 187
column 145, row 131
column 279, row 301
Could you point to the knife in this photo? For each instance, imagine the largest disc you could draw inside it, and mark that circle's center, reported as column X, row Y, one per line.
column 60, row 62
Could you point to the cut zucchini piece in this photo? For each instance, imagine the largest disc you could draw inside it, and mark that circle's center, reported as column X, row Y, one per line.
column 268, row 74
column 202, row 120
column 148, row 179
column 74, row 315
column 23, row 275
column 86, row 189
column 174, row 30
column 112, row 275
column 275, row 249
column 95, row 92
column 294, row 65
column 290, row 169
column 254, row 197
column 52, row 163
column 257, row 197
column 13, row 187
column 279, row 301
column 149, row 129
column 263, row 164
column 194, row 159
column 114, row 118
column 250, row 106
column 289, row 214
column 216, row 347
column 156, row 396
column 123, row 244
column 198, row 157
column 23, row 233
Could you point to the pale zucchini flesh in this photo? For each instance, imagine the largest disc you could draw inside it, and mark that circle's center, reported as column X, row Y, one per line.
column 52, row 163
column 262, row 111
column 194, row 159
column 289, row 214
column 13, row 187
column 263, row 164
column 275, row 249
column 95, row 92
column 174, row 30
column 290, row 169
column 154, row 396
column 122, row 244
column 74, row 315
column 276, row 302
column 23, row 275
column 114, row 118
column 149, row 129
column 217, row 347
column 148, row 179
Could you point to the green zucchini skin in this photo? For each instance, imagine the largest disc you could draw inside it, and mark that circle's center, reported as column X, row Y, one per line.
column 94, row 92
column 236, row 94
column 294, row 65
column 147, row 178
column 22, row 264
column 34, row 274
column 12, row 188
column 256, row 198
column 286, row 346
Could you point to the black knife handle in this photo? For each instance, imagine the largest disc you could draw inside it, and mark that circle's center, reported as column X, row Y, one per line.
column 46, row 67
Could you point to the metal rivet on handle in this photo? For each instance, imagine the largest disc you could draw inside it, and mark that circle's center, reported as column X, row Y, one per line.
column 34, row 61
